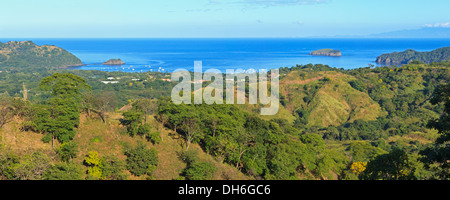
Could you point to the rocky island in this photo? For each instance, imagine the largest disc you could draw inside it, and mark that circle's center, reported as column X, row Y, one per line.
column 114, row 62
column 406, row 57
column 327, row 52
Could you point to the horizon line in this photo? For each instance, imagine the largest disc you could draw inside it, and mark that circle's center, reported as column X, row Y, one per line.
column 318, row 37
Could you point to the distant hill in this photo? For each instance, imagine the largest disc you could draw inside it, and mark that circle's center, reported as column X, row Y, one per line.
column 399, row 58
column 27, row 54
column 426, row 32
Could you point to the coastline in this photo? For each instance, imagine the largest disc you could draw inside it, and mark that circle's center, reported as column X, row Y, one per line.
column 226, row 53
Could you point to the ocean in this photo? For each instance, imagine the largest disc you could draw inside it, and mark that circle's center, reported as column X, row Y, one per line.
column 167, row 55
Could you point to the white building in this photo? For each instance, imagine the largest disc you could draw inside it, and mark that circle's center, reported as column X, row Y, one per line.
column 110, row 82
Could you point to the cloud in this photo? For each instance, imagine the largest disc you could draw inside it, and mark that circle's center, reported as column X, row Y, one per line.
column 438, row 25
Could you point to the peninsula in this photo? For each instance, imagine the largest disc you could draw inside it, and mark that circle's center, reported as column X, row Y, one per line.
column 26, row 54
column 406, row 57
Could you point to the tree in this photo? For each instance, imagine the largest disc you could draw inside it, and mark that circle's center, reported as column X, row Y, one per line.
column 67, row 151
column 154, row 137
column 95, row 164
column 59, row 120
column 7, row 162
column 395, row 165
column 99, row 104
column 6, row 109
column 243, row 139
column 439, row 153
column 32, row 167
column 64, row 85
column 200, row 171
column 112, row 168
column 358, row 167
column 132, row 120
column 214, row 123
column 64, row 171
column 442, row 95
column 141, row 160
column 62, row 114
column 191, row 130
column 146, row 106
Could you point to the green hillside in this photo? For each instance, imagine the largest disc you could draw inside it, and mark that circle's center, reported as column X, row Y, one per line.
column 26, row 54
column 333, row 124
column 410, row 55
column 327, row 98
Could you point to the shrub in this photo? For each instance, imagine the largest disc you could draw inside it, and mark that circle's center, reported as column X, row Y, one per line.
column 200, row 171
column 112, row 168
column 67, row 151
column 64, row 171
column 154, row 137
column 141, row 161
column 132, row 120
column 32, row 167
column 189, row 157
column 95, row 164
column 144, row 129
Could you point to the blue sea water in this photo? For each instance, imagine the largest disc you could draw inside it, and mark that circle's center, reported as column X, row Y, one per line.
column 167, row 55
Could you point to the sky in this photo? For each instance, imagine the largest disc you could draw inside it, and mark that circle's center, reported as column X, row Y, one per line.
column 216, row 18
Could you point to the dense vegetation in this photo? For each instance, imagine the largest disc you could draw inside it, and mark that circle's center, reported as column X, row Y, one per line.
column 408, row 56
column 14, row 55
column 389, row 123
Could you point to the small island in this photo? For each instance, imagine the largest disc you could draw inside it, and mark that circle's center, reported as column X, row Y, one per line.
column 327, row 52
column 114, row 62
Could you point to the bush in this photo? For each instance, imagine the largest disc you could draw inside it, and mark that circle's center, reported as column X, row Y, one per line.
column 64, row 171
column 141, row 161
column 32, row 167
column 189, row 157
column 67, row 151
column 200, row 171
column 95, row 164
column 154, row 137
column 7, row 162
column 112, row 168
column 144, row 129
column 132, row 120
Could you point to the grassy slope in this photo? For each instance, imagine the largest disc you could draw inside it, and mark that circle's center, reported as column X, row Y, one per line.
column 334, row 103
column 94, row 135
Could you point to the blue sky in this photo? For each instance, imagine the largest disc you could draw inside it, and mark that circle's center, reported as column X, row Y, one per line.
column 216, row 18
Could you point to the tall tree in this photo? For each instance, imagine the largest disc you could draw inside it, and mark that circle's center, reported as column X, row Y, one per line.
column 442, row 95
column 191, row 130
column 99, row 104
column 147, row 106
column 440, row 153
column 62, row 114
column 243, row 139
column 132, row 120
column 395, row 165
column 64, row 85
